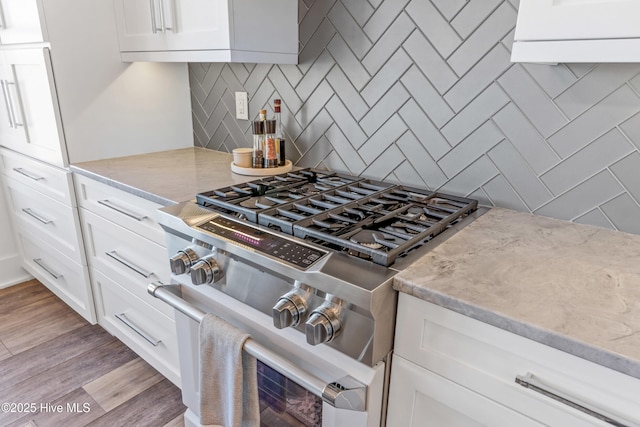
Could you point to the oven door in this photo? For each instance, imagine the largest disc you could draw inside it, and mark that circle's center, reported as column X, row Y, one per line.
column 298, row 385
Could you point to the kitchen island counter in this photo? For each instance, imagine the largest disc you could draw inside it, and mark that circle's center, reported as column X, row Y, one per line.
column 572, row 287
column 165, row 177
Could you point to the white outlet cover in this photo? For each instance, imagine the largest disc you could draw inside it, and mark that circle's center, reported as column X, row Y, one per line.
column 242, row 106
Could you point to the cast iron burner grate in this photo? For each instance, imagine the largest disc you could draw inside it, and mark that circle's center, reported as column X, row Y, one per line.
column 368, row 219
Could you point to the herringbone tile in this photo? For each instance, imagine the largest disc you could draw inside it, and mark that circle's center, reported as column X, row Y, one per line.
column 423, row 92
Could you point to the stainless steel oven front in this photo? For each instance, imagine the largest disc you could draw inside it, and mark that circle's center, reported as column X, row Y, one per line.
column 298, row 385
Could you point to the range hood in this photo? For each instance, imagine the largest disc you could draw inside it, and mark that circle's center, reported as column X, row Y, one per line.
column 552, row 31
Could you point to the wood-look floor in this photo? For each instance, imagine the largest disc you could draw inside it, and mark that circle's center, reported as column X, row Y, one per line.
column 58, row 370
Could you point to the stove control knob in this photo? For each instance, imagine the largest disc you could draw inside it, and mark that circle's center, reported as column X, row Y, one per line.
column 290, row 310
column 205, row 271
column 324, row 322
column 182, row 261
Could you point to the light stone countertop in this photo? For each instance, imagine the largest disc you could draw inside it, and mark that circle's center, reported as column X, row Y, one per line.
column 165, row 177
column 570, row 286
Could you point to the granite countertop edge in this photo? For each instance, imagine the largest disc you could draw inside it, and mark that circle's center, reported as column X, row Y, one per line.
column 541, row 335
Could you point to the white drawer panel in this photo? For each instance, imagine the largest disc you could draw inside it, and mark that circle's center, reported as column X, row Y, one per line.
column 420, row 398
column 50, row 180
column 125, row 209
column 146, row 331
column 130, row 260
column 64, row 277
column 52, row 221
column 487, row 360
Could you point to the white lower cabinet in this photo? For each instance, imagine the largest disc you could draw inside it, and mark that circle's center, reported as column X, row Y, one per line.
column 151, row 334
column 46, row 226
column 125, row 251
column 420, row 397
column 449, row 369
column 63, row 276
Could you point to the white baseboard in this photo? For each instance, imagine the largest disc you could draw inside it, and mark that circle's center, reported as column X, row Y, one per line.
column 11, row 271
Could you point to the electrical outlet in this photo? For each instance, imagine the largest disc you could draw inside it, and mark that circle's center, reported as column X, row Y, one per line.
column 242, row 106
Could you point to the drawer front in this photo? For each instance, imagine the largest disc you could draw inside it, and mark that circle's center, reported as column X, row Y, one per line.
column 125, row 209
column 64, row 277
column 487, row 360
column 53, row 222
column 418, row 397
column 146, row 331
column 130, row 260
column 54, row 182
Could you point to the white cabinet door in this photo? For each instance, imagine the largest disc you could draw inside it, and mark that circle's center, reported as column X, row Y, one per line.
column 577, row 19
column 418, row 397
column 140, row 25
column 196, row 24
column 30, row 118
column 19, row 22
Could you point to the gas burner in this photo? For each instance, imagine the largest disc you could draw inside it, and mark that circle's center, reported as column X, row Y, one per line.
column 368, row 238
column 257, row 203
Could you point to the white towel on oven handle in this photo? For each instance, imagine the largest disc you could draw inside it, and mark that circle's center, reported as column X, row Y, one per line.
column 228, row 376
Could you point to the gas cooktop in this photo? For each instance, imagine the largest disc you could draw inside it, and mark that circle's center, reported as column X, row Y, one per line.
column 368, row 219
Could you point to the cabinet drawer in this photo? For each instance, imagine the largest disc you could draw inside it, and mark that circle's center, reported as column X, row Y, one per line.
column 130, row 260
column 54, row 182
column 64, row 277
column 125, row 209
column 487, row 360
column 53, row 222
column 146, row 331
column 419, row 397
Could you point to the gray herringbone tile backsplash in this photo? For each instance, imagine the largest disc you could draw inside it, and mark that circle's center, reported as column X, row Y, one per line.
column 422, row 92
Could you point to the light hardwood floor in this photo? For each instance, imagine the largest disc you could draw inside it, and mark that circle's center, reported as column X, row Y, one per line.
column 58, row 370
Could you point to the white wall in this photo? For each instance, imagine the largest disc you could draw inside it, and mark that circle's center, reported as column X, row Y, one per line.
column 11, row 272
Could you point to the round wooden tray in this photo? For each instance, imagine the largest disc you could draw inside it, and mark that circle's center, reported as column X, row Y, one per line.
column 262, row 171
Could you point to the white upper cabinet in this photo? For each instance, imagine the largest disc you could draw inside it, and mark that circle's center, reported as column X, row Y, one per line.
column 29, row 118
column 208, row 30
column 20, row 22
column 577, row 31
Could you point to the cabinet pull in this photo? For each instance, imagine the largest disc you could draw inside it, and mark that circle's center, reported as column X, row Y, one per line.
column 154, row 25
column 6, row 102
column 28, row 174
column 129, row 264
column 162, row 17
column 47, row 269
column 530, row 382
column 40, row 218
column 130, row 214
column 12, row 107
column 123, row 318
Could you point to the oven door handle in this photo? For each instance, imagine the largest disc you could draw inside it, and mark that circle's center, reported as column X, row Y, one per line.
column 345, row 393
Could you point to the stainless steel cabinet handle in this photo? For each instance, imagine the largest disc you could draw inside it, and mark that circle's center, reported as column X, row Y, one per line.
column 129, row 264
column 123, row 318
column 12, row 107
column 130, row 214
column 162, row 17
column 28, row 174
column 6, row 102
column 39, row 217
column 531, row 382
column 47, row 269
column 154, row 22
column 2, row 23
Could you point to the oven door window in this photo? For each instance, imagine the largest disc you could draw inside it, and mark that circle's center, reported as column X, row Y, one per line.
column 284, row 403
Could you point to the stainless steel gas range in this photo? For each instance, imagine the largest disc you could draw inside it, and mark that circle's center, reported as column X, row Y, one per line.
column 304, row 263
